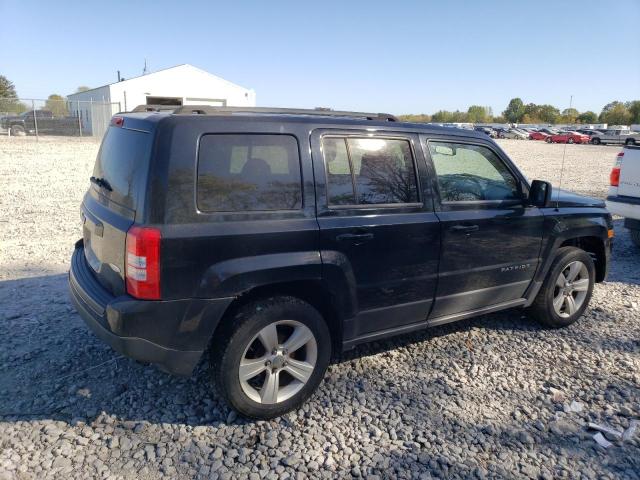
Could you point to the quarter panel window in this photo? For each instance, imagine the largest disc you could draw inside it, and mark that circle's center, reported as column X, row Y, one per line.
column 339, row 181
column 471, row 173
column 369, row 171
column 249, row 172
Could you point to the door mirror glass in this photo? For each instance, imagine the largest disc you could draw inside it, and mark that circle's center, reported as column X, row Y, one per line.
column 540, row 194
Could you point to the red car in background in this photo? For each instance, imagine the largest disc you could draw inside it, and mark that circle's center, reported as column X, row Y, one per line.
column 538, row 136
column 568, row 137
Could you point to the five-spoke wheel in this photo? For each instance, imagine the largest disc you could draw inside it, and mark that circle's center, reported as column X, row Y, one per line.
column 270, row 356
column 571, row 289
column 278, row 361
column 567, row 289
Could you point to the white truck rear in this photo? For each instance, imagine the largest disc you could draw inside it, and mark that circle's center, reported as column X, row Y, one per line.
column 624, row 190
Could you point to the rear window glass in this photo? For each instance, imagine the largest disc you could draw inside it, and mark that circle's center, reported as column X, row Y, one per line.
column 369, row 171
column 122, row 160
column 248, row 172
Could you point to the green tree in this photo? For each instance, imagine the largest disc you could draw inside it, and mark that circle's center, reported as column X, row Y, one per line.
column 479, row 114
column 615, row 113
column 7, row 89
column 587, row 117
column 633, row 108
column 530, row 118
column 442, row 116
column 459, row 117
column 515, row 110
column 9, row 98
column 82, row 88
column 420, row 118
column 548, row 113
column 569, row 115
column 56, row 104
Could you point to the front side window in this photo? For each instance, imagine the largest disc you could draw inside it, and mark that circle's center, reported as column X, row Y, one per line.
column 471, row 173
column 365, row 171
column 248, row 172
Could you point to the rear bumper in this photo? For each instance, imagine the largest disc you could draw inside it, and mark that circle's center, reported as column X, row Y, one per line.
column 627, row 208
column 172, row 334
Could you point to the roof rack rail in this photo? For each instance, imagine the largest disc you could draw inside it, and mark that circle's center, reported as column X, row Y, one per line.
column 155, row 108
column 323, row 112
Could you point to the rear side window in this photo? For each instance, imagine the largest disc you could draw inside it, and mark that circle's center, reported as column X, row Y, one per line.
column 248, row 172
column 364, row 171
column 122, row 161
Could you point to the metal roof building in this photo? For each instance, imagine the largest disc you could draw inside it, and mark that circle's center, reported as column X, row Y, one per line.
column 179, row 85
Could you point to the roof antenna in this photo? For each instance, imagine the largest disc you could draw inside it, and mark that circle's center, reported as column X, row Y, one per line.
column 564, row 153
column 144, row 70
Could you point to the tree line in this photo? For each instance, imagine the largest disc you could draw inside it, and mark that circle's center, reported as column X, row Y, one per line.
column 10, row 103
column 613, row 113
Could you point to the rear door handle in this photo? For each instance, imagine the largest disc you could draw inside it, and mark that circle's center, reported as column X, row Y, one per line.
column 464, row 228
column 357, row 238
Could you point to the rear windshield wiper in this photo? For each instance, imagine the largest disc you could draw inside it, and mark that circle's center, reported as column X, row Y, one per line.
column 101, row 182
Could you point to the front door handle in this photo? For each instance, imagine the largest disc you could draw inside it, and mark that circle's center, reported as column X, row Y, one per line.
column 464, row 228
column 356, row 238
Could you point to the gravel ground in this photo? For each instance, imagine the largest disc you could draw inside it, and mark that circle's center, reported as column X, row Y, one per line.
column 488, row 397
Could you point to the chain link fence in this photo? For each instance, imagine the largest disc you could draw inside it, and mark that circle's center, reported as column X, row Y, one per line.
column 30, row 117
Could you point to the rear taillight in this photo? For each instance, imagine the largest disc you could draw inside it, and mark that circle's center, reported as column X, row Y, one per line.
column 117, row 121
column 614, row 176
column 142, row 270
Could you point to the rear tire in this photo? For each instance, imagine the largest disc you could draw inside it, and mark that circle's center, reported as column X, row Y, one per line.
column 566, row 292
column 271, row 356
column 630, row 141
column 595, row 141
column 570, row 140
column 17, row 131
column 635, row 237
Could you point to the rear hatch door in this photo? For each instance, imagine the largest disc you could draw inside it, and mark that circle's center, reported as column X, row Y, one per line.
column 109, row 208
column 629, row 185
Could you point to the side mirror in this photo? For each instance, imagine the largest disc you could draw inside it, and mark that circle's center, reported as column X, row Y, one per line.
column 540, row 194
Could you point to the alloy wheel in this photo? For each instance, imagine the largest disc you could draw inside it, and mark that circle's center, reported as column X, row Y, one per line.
column 278, row 362
column 571, row 288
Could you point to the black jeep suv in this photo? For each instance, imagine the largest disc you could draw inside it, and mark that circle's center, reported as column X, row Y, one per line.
column 277, row 237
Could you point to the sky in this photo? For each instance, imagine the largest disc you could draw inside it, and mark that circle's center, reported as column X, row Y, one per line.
column 388, row 56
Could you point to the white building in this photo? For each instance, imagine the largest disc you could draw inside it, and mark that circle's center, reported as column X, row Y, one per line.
column 179, row 85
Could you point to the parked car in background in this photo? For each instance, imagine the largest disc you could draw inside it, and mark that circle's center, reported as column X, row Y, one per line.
column 513, row 134
column 43, row 120
column 274, row 239
column 624, row 190
column 549, row 131
column 588, row 131
column 617, row 137
column 524, row 131
column 538, row 136
column 568, row 137
column 487, row 131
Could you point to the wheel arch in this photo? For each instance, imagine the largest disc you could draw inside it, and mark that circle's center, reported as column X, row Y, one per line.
column 313, row 291
column 595, row 247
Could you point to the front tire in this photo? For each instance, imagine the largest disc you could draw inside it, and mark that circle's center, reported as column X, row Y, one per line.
column 18, row 131
column 566, row 292
column 630, row 141
column 271, row 357
column 548, row 140
column 570, row 140
column 595, row 141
